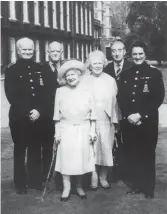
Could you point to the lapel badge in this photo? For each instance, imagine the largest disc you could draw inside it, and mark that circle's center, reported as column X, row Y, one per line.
column 145, row 89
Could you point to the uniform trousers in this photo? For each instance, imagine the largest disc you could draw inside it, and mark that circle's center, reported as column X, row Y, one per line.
column 35, row 138
column 139, row 147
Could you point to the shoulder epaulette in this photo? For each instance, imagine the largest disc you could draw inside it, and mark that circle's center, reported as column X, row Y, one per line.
column 152, row 66
column 10, row 64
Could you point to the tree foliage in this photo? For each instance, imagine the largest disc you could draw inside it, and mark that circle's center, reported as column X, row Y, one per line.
column 148, row 20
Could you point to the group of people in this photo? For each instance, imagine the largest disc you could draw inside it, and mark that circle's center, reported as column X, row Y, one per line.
column 81, row 108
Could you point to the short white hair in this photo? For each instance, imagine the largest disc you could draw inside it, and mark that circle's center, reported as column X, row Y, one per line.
column 23, row 41
column 96, row 54
column 54, row 44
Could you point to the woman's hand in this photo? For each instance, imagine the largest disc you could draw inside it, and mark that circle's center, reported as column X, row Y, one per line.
column 93, row 137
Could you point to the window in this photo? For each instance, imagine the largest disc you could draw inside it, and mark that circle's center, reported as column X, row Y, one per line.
column 95, row 4
column 82, row 21
column 62, row 56
column 12, row 11
column 90, row 48
column 86, row 22
column 46, row 51
column 68, row 16
column 37, row 51
column 25, row 12
column 77, row 50
column 69, row 51
column 46, row 14
column 61, row 16
column 36, row 13
column 86, row 50
column 54, row 9
column 82, row 52
column 90, row 23
column 76, row 14
column 13, row 56
column 96, row 15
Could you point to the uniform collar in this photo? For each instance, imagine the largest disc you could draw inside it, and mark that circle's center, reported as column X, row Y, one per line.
column 25, row 61
column 142, row 66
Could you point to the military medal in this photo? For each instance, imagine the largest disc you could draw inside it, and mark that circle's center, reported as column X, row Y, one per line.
column 41, row 81
column 145, row 89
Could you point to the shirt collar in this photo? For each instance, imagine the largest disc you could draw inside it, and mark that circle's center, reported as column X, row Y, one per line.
column 51, row 64
column 116, row 65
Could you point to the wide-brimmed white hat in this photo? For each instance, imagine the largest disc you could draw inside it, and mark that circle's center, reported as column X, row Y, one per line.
column 70, row 64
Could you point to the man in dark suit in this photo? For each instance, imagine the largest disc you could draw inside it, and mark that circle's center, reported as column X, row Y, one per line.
column 50, row 72
column 141, row 92
column 119, row 63
column 25, row 90
column 114, row 69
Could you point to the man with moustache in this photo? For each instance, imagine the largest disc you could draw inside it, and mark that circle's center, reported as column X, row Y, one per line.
column 114, row 69
column 24, row 88
column 50, row 72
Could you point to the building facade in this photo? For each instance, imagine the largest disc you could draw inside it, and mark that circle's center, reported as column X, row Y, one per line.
column 102, row 12
column 68, row 22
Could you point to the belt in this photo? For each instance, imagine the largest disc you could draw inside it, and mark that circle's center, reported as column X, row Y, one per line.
column 74, row 122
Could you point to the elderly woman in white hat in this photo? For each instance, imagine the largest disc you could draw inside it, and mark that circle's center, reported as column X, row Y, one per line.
column 75, row 127
column 104, row 90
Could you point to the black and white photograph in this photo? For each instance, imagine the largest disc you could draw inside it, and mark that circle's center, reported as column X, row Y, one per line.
column 83, row 107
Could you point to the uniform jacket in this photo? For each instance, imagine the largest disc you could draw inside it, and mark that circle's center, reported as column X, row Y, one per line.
column 141, row 90
column 51, row 84
column 109, row 69
column 24, row 88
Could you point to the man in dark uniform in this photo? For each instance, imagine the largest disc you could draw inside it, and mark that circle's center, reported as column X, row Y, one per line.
column 141, row 92
column 24, row 88
column 50, row 72
column 114, row 69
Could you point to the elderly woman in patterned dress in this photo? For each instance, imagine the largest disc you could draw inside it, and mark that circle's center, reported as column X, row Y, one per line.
column 75, row 127
column 104, row 90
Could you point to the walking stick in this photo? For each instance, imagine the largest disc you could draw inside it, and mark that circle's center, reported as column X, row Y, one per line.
column 49, row 173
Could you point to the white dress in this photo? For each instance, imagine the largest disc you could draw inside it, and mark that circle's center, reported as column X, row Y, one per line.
column 104, row 91
column 74, row 108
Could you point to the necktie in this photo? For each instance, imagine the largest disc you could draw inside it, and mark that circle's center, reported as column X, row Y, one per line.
column 118, row 71
column 54, row 68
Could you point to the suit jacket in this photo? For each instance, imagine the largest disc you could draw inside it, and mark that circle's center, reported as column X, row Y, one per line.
column 51, row 84
column 109, row 69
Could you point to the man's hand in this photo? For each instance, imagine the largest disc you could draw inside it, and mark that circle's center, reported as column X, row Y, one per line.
column 34, row 115
column 134, row 118
column 56, row 142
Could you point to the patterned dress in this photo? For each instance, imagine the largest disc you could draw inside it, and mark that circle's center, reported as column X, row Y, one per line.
column 104, row 91
column 74, row 108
